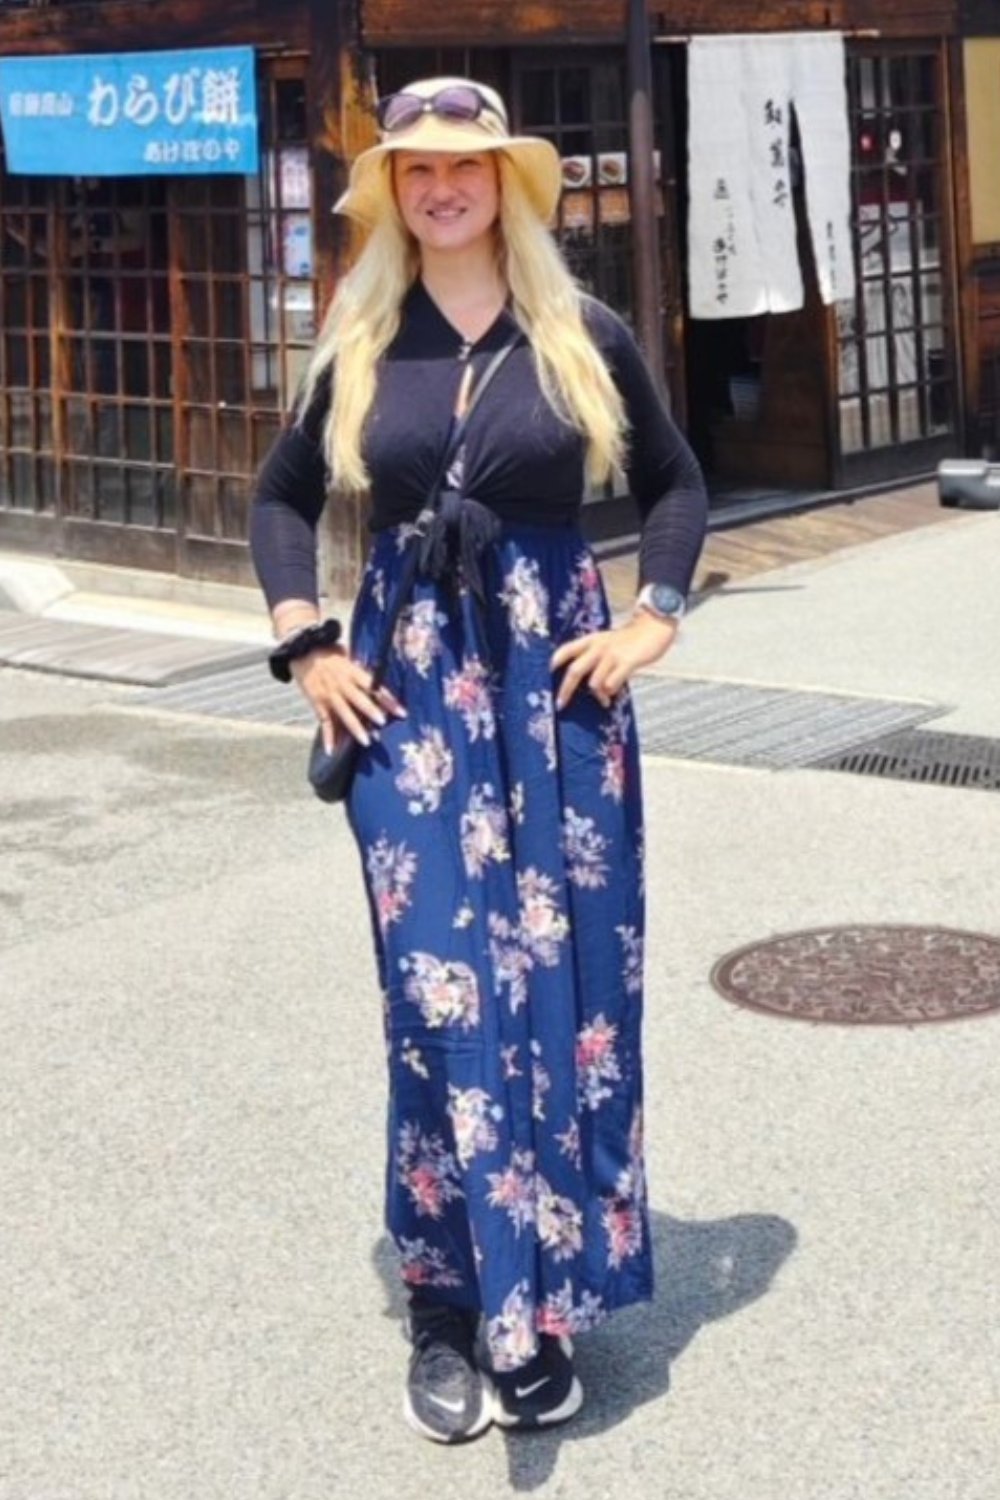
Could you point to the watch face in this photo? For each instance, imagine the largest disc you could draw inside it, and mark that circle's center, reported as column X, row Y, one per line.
column 666, row 600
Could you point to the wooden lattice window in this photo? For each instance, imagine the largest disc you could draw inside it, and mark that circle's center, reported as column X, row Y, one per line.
column 896, row 381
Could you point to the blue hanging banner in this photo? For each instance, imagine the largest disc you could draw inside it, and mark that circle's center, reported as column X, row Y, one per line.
column 130, row 114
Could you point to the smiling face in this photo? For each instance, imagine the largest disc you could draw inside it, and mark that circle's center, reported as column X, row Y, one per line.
column 447, row 202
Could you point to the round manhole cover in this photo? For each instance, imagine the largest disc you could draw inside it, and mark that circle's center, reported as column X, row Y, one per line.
column 866, row 976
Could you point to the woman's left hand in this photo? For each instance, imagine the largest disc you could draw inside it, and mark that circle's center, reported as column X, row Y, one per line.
column 607, row 659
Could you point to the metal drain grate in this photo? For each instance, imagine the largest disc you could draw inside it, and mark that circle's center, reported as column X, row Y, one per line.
column 937, row 758
column 743, row 724
column 730, row 722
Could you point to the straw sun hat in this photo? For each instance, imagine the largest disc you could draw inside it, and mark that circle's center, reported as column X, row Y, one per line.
column 535, row 159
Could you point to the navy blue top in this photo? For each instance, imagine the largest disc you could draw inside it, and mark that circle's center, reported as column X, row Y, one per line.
column 520, row 459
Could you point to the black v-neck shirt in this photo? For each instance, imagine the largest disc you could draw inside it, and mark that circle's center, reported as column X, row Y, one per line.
column 521, row 460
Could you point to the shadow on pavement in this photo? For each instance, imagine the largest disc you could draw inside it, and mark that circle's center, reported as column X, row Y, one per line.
column 704, row 1271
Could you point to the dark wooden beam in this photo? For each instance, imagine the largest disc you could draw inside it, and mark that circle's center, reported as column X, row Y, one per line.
column 138, row 26
column 963, row 293
column 506, row 23
column 340, row 94
column 642, row 189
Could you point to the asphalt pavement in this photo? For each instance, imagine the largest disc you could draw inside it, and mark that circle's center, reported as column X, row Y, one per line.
column 199, row 1298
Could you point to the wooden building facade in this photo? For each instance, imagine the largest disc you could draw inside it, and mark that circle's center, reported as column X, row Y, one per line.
column 152, row 328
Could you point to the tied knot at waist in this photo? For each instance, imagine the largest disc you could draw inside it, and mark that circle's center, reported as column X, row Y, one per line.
column 453, row 539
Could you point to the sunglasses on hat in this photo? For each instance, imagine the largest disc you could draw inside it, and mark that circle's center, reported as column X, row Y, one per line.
column 458, row 102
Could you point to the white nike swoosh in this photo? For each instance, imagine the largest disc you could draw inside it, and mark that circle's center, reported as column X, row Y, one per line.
column 521, row 1391
column 455, row 1406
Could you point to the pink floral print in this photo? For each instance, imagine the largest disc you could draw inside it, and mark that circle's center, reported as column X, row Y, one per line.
column 425, row 1265
column 559, row 1221
column 392, row 869
column 584, row 849
column 446, row 990
column 418, row 634
column 483, row 831
column 615, row 736
column 426, row 1169
column 527, row 601
column 597, row 1065
column 429, row 767
column 473, row 1117
column 561, row 1318
column 511, row 1334
column 581, row 608
column 542, row 724
column 468, row 693
column 513, row 1189
column 632, row 959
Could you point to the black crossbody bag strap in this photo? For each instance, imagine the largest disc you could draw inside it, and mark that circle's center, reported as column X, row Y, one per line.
column 453, row 443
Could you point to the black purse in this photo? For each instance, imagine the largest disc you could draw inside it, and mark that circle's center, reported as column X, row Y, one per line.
column 330, row 773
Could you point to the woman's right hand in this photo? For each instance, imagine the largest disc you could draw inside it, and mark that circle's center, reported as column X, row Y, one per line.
column 340, row 692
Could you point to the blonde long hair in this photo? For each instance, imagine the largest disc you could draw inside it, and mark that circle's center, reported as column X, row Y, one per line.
column 364, row 317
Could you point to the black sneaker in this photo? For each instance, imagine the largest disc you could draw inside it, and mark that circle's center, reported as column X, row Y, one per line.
column 540, row 1393
column 446, row 1398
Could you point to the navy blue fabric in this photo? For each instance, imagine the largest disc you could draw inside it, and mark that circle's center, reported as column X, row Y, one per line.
column 522, row 461
column 502, row 849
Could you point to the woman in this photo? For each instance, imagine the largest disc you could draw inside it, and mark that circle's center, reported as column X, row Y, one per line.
column 497, row 805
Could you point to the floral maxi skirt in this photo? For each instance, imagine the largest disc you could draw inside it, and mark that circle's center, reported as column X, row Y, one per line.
column 502, row 848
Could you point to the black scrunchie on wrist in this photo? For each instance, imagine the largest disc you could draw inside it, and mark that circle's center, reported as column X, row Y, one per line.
column 301, row 643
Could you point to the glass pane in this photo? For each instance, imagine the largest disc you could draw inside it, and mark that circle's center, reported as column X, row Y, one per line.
column 876, row 363
column 939, row 405
column 233, row 456
column 909, row 417
column 574, row 96
column 228, row 309
column 108, row 430
column 140, row 496
column 138, row 432
column 233, row 507
column 16, row 357
column 290, row 110
column 164, row 436
column 45, row 478
column 230, row 374
column 852, row 435
column 43, row 419
column 163, row 385
column 199, row 367
column 201, row 439
column 167, row 497
column 200, row 504
column 538, row 98
column 43, row 361
column 80, row 490
column 929, row 241
column 927, row 188
column 20, row 419
column 264, row 432
column 109, row 493
column 196, row 296
column 78, row 425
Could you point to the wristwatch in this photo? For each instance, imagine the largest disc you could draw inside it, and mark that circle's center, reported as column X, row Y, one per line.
column 662, row 600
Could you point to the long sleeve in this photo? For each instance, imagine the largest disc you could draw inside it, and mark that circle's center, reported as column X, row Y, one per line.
column 287, row 505
column 663, row 475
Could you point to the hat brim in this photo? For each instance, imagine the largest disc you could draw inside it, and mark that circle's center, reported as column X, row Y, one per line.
column 536, row 161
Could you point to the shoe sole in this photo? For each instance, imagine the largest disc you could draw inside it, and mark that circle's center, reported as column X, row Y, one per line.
column 486, row 1416
column 569, row 1408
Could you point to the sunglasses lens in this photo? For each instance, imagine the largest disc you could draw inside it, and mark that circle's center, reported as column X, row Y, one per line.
column 458, row 103
column 397, row 111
